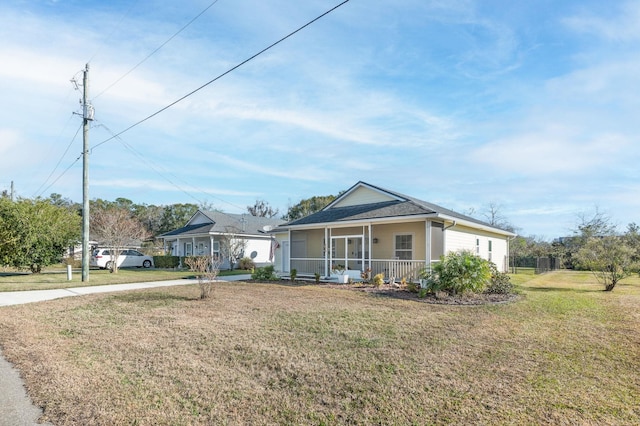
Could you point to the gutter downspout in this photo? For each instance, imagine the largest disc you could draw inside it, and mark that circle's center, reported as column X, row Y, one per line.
column 444, row 235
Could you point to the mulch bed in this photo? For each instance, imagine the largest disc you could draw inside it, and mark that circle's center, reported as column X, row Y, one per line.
column 401, row 293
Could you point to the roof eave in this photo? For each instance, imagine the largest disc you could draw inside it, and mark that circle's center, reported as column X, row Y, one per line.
column 475, row 225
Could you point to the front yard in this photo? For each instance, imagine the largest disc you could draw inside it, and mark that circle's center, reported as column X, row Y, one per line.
column 57, row 278
column 564, row 353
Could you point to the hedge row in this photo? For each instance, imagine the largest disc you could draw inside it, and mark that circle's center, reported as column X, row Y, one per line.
column 166, row 262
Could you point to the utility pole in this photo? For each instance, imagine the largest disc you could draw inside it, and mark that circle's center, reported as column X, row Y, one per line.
column 87, row 115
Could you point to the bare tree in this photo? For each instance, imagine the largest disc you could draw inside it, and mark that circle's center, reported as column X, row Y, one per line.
column 116, row 228
column 232, row 245
column 262, row 209
column 494, row 217
column 206, row 268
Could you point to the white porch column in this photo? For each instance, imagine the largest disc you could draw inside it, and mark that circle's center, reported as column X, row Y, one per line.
column 330, row 249
column 370, row 244
column 177, row 253
column 193, row 246
column 211, row 246
column 362, row 248
column 427, row 237
column 289, row 248
column 327, row 249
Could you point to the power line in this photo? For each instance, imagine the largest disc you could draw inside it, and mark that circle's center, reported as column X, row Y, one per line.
column 156, row 50
column 38, row 193
column 163, row 173
column 124, row 15
column 62, row 174
column 223, row 74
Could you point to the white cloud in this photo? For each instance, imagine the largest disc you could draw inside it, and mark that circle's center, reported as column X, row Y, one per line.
column 622, row 27
column 556, row 150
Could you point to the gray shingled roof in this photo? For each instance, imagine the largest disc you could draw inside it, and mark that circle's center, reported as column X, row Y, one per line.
column 404, row 206
column 202, row 228
column 227, row 222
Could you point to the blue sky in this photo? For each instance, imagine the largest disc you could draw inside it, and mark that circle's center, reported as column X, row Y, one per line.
column 531, row 106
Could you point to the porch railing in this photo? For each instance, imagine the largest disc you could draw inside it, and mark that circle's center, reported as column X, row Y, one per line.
column 308, row 266
column 388, row 267
column 397, row 268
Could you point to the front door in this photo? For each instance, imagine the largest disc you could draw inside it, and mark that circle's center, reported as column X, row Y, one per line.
column 360, row 254
column 347, row 251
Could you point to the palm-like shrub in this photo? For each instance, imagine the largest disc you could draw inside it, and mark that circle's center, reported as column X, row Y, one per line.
column 459, row 272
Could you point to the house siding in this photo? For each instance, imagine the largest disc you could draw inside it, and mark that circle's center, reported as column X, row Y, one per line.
column 385, row 248
column 363, row 195
column 462, row 238
column 199, row 219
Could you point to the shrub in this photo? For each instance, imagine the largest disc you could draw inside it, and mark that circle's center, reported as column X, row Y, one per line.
column 459, row 273
column 266, row 273
column 206, row 270
column 75, row 263
column 413, row 287
column 500, row 282
column 293, row 274
column 366, row 275
column 378, row 280
column 246, row 263
column 317, row 276
column 166, row 262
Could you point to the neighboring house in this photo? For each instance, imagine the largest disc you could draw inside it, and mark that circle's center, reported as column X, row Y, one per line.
column 368, row 227
column 76, row 251
column 211, row 233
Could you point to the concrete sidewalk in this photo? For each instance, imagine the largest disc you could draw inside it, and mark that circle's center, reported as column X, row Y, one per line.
column 29, row 296
column 16, row 408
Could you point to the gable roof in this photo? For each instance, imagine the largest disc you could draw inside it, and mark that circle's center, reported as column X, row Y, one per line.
column 219, row 222
column 379, row 203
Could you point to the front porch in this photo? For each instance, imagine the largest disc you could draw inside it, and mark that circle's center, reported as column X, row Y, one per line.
column 398, row 269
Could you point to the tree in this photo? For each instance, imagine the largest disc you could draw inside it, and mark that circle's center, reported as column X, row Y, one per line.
column 596, row 224
column 232, row 245
column 207, row 269
column 116, row 228
column 150, row 216
column 176, row 216
column 609, row 258
column 262, row 209
column 35, row 233
column 494, row 217
column 588, row 225
column 308, row 206
column 632, row 238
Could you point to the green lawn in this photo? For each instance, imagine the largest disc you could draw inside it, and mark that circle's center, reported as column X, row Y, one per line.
column 565, row 353
column 56, row 277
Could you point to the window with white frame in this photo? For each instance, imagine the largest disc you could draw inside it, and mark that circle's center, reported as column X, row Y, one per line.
column 404, row 247
column 188, row 249
column 216, row 249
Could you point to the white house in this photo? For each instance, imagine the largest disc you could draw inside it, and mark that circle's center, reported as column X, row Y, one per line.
column 207, row 233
